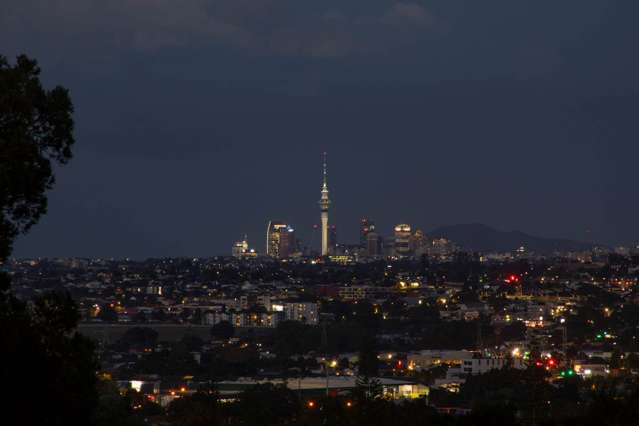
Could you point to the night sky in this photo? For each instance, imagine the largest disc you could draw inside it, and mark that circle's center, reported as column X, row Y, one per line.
column 199, row 120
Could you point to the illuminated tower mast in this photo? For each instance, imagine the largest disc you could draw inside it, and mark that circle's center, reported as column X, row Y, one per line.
column 324, row 203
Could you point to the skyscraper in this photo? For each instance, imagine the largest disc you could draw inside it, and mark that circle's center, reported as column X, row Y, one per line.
column 280, row 240
column 332, row 239
column 418, row 242
column 288, row 243
column 373, row 244
column 240, row 247
column 402, row 239
column 365, row 226
column 324, row 203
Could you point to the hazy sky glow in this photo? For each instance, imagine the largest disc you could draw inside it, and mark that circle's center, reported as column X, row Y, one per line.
column 199, row 120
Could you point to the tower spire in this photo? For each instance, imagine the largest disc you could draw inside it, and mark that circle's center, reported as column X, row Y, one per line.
column 325, row 185
column 324, row 203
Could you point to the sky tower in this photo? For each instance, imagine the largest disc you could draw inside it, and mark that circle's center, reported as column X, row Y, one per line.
column 324, row 203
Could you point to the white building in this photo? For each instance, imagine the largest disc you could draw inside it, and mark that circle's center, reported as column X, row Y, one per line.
column 477, row 366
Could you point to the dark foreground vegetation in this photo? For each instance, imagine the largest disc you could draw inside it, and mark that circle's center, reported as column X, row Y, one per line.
column 276, row 405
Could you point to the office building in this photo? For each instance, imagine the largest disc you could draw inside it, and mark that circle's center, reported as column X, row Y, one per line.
column 288, row 243
column 365, row 226
column 402, row 240
column 418, row 242
column 373, row 244
column 239, row 248
column 280, row 240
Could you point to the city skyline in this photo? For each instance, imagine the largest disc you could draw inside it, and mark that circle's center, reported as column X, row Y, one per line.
column 306, row 239
column 434, row 114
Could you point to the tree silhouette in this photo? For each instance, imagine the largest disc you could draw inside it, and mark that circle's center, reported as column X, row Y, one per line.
column 195, row 410
column 223, row 330
column 266, row 404
column 48, row 368
column 36, row 130
column 40, row 346
column 368, row 362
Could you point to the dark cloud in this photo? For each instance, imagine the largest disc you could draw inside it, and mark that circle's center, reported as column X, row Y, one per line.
column 281, row 27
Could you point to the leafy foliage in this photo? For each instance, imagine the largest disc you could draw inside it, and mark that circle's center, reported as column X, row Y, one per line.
column 36, row 130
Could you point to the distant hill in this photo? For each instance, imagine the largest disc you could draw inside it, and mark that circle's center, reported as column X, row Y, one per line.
column 482, row 238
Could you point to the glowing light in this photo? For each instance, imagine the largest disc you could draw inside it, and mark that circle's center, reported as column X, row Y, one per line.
column 310, row 404
column 512, row 278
